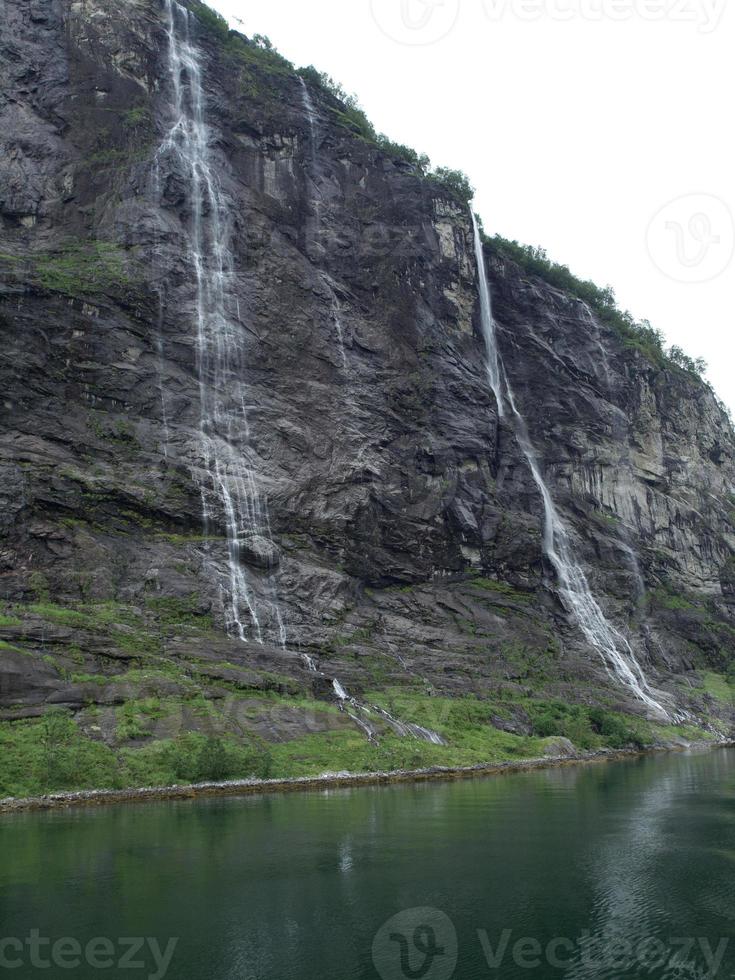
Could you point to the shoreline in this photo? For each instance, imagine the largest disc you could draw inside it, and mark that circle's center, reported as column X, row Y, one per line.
column 330, row 780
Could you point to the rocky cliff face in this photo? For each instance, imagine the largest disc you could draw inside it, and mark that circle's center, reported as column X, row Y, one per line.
column 400, row 535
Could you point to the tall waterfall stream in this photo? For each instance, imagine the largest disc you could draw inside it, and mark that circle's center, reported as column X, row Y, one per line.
column 574, row 590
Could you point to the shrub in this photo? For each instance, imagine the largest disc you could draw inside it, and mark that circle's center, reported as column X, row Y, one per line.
column 139, row 115
column 613, row 729
column 352, row 115
column 194, row 758
column 636, row 335
column 586, row 727
column 454, row 181
column 39, row 584
column 212, row 21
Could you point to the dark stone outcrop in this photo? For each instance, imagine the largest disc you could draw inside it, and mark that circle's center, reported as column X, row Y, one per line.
column 406, row 531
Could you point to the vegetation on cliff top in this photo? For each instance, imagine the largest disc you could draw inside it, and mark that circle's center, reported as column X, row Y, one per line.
column 454, row 182
column 636, row 335
column 259, row 51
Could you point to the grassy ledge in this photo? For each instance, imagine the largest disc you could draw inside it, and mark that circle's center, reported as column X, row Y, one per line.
column 328, row 780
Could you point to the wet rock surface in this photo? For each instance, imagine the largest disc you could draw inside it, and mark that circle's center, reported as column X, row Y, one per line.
column 405, row 529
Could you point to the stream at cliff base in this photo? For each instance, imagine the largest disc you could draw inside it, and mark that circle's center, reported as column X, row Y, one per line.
column 617, row 870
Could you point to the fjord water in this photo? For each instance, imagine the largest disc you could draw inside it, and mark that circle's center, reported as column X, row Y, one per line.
column 574, row 590
column 296, row 887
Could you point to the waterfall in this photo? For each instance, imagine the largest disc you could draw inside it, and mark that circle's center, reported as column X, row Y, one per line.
column 574, row 590
column 159, row 372
column 311, row 116
column 360, row 713
column 229, row 492
column 156, row 187
column 316, row 204
column 492, row 357
column 402, row 728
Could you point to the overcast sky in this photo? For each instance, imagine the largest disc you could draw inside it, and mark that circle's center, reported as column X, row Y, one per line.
column 599, row 129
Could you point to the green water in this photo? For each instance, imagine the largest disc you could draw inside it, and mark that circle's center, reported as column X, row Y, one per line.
column 639, row 856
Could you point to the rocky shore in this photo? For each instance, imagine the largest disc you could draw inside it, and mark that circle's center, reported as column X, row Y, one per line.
column 331, row 780
column 404, row 547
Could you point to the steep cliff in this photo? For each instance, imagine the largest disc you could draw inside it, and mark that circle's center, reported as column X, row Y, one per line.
column 331, row 404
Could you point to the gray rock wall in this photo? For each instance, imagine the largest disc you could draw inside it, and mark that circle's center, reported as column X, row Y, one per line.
column 392, row 489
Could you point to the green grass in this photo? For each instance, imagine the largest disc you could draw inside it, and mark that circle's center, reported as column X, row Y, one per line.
column 665, row 598
column 689, row 732
column 466, row 722
column 4, row 645
column 635, row 335
column 133, row 718
column 82, row 268
column 123, row 624
column 718, row 687
column 33, row 761
column 52, row 755
column 137, row 117
column 175, row 611
column 43, row 756
column 100, row 679
column 502, row 588
column 349, row 751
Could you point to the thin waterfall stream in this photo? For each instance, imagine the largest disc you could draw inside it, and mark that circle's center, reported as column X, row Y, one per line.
column 316, row 208
column 574, row 590
column 228, row 486
column 230, row 495
column 359, row 712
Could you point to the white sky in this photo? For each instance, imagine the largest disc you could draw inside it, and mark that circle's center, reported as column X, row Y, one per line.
column 577, row 121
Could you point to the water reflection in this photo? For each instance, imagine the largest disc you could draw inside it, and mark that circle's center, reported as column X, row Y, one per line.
column 297, row 886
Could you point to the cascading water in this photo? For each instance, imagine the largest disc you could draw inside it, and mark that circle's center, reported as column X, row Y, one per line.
column 402, row 728
column 229, row 491
column 156, row 195
column 360, row 712
column 230, row 496
column 615, row 650
column 161, row 389
column 316, row 200
column 316, row 207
